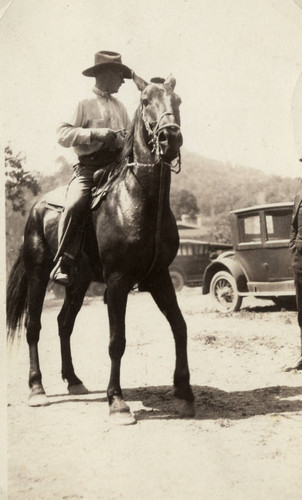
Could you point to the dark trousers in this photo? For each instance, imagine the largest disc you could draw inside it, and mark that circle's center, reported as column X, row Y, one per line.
column 77, row 205
column 297, row 268
column 74, row 217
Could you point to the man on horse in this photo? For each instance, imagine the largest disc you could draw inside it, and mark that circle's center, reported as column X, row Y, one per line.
column 96, row 131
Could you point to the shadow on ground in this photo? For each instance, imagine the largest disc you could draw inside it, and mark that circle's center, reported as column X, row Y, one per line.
column 214, row 403
column 211, row 403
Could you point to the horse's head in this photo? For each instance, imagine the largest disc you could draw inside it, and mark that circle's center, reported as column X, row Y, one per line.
column 160, row 116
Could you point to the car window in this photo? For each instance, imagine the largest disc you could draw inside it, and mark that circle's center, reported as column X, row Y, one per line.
column 278, row 224
column 249, row 228
column 200, row 249
column 180, row 250
column 185, row 250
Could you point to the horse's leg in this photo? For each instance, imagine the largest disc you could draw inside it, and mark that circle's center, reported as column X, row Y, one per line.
column 117, row 292
column 160, row 286
column 66, row 318
column 37, row 283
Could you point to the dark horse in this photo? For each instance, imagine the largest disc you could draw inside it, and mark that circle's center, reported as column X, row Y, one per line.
column 136, row 240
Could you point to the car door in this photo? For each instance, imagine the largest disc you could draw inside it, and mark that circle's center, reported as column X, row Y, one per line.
column 249, row 246
column 195, row 258
column 191, row 260
column 276, row 250
column 201, row 260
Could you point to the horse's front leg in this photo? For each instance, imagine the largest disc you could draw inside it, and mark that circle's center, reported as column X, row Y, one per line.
column 160, row 286
column 118, row 288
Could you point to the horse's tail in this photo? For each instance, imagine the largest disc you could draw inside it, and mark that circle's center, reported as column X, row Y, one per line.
column 16, row 298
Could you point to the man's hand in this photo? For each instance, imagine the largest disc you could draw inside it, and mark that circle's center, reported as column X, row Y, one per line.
column 104, row 135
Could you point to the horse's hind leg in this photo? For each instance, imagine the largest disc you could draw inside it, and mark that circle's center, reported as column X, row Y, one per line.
column 66, row 318
column 37, row 283
column 160, row 286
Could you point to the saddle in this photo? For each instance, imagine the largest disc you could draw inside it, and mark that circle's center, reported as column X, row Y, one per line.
column 103, row 179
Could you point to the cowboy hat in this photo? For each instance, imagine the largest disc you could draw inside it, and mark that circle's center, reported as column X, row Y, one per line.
column 107, row 59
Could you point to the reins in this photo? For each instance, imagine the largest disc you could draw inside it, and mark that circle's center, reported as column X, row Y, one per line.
column 154, row 133
column 158, row 219
column 155, row 139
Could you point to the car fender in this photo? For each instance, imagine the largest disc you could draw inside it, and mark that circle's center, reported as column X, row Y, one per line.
column 225, row 262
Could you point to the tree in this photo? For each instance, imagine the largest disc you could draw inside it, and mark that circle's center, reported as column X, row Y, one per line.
column 18, row 184
column 18, row 180
column 183, row 202
column 220, row 228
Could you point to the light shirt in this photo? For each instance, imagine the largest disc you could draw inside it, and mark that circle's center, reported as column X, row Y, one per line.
column 101, row 111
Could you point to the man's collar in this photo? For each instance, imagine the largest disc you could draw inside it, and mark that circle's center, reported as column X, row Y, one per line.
column 101, row 93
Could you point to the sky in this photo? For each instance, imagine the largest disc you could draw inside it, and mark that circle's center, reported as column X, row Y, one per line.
column 237, row 64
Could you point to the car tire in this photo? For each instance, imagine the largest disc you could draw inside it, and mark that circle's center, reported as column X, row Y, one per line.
column 224, row 293
column 58, row 291
column 96, row 289
column 177, row 280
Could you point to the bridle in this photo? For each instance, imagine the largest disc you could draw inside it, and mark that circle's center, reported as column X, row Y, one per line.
column 156, row 129
column 153, row 129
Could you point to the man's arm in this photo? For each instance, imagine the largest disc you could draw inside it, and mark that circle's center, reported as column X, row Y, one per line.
column 74, row 133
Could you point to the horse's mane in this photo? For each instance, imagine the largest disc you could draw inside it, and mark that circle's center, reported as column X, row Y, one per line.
column 127, row 151
column 126, row 155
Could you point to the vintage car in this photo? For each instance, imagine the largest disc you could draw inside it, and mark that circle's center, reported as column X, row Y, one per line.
column 192, row 258
column 259, row 264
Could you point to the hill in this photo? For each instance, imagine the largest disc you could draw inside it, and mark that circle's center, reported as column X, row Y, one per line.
column 221, row 187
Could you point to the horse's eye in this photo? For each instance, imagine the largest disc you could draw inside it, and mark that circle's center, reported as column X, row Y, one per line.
column 145, row 102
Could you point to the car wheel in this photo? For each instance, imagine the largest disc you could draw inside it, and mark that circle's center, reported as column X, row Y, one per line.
column 58, row 291
column 177, row 280
column 96, row 289
column 224, row 293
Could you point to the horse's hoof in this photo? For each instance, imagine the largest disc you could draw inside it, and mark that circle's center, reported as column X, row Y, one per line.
column 77, row 389
column 120, row 413
column 184, row 408
column 38, row 400
column 122, row 418
column 298, row 366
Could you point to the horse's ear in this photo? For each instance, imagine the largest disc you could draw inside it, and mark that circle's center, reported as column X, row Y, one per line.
column 170, row 81
column 139, row 82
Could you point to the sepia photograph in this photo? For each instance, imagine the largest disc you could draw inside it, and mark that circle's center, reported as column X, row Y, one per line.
column 151, row 249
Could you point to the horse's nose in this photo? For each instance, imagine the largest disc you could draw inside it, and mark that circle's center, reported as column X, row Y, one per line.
column 170, row 135
column 179, row 137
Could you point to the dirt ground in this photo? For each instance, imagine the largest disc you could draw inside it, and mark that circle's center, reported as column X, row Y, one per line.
column 245, row 441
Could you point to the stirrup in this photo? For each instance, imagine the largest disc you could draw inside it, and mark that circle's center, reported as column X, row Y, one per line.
column 58, row 275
